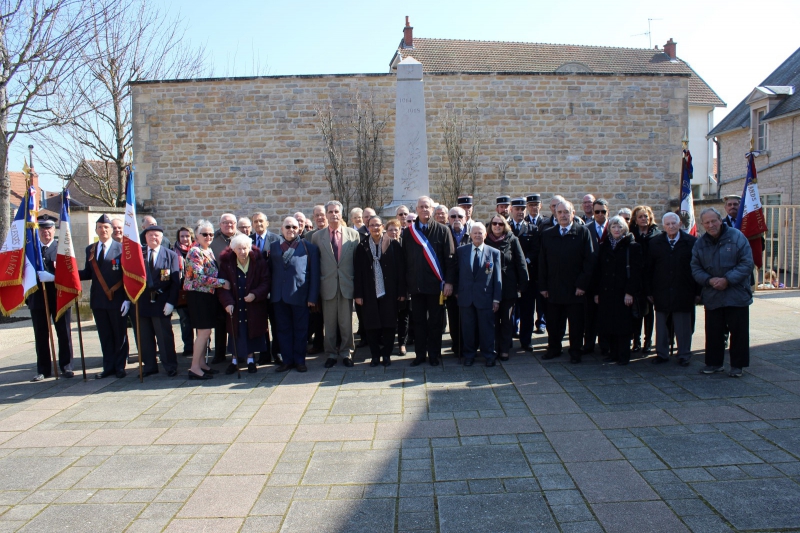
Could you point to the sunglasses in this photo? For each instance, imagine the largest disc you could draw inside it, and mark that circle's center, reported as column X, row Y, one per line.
column 600, row 212
column 498, row 223
column 207, row 234
column 402, row 214
column 291, row 227
column 456, row 216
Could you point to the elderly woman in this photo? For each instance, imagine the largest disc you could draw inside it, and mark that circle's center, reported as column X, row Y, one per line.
column 514, row 278
column 644, row 229
column 356, row 218
column 295, row 288
column 183, row 243
column 618, row 281
column 245, row 301
column 201, row 282
column 379, row 287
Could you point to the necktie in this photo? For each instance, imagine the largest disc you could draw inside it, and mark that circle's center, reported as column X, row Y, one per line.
column 672, row 243
column 44, row 249
column 334, row 246
column 259, row 242
column 152, row 260
column 102, row 254
column 563, row 231
column 424, row 227
column 476, row 263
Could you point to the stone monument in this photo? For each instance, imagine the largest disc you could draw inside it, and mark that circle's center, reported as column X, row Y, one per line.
column 410, row 138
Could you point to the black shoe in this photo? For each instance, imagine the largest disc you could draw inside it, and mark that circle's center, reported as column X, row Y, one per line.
column 251, row 368
column 386, row 361
column 683, row 362
column 469, row 362
column 527, row 348
column 150, row 373
column 417, row 362
column 433, row 362
column 503, row 358
column 172, row 373
column 187, row 353
column 102, row 375
column 550, row 355
column 636, row 348
column 490, row 362
column 540, row 331
column 609, row 359
column 659, row 360
column 587, row 350
column 347, row 361
column 284, row 368
column 313, row 350
column 330, row 362
column 192, row 376
column 67, row 374
column 277, row 359
column 362, row 343
column 374, row 362
column 647, row 347
column 231, row 369
column 218, row 359
column 265, row 359
column 211, row 371
column 301, row 368
column 121, row 374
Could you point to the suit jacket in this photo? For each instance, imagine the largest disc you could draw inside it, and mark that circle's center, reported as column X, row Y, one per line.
column 421, row 279
column 336, row 276
column 111, row 271
column 597, row 238
column 295, row 282
column 220, row 243
column 163, row 282
column 480, row 288
column 728, row 221
column 269, row 238
column 36, row 300
column 566, row 263
column 546, row 223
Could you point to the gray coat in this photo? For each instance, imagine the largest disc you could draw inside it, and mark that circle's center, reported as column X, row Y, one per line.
column 729, row 256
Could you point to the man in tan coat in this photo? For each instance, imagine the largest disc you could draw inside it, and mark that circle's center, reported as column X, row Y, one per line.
column 337, row 244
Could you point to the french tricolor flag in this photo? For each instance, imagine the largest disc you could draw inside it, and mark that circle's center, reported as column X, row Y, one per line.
column 750, row 219
column 20, row 257
column 133, row 272
column 68, row 283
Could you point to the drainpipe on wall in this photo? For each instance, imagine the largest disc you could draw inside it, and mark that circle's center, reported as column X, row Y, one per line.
column 719, row 166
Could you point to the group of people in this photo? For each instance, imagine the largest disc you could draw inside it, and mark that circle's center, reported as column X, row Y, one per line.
column 277, row 297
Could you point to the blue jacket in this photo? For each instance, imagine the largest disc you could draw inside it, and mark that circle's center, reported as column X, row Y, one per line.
column 111, row 271
column 163, row 283
column 480, row 288
column 296, row 282
column 728, row 256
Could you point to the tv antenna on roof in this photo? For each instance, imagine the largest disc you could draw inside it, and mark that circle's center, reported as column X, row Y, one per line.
column 648, row 32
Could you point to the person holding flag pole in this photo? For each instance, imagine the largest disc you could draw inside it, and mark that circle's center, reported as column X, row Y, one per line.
column 134, row 276
column 750, row 219
column 687, row 198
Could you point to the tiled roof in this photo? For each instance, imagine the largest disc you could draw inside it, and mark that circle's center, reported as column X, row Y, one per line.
column 106, row 170
column 787, row 74
column 453, row 55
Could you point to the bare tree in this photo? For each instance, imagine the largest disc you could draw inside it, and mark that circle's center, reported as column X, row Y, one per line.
column 502, row 170
column 368, row 127
column 462, row 146
column 130, row 40
column 40, row 49
column 337, row 174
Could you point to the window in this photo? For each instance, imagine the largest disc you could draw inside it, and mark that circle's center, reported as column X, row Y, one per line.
column 761, row 143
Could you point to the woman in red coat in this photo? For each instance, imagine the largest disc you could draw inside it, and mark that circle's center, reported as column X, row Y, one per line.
column 246, row 301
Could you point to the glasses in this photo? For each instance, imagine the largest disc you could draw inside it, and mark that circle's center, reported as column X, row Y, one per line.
column 456, row 216
column 598, row 212
column 498, row 223
column 402, row 214
column 291, row 227
column 207, row 234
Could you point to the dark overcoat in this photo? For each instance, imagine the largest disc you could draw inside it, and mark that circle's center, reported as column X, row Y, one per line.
column 514, row 270
column 421, row 279
column 379, row 315
column 258, row 283
column 668, row 274
column 566, row 263
column 613, row 280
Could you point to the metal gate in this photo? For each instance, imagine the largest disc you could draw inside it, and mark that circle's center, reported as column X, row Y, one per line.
column 780, row 256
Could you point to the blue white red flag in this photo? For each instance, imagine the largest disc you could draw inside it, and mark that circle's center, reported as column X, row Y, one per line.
column 687, row 199
column 427, row 249
column 21, row 256
column 750, row 219
column 68, row 283
column 133, row 272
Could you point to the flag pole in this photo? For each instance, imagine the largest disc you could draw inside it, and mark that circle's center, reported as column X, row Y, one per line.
column 139, row 340
column 80, row 338
column 50, row 330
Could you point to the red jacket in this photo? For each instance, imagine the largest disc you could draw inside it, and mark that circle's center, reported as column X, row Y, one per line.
column 258, row 283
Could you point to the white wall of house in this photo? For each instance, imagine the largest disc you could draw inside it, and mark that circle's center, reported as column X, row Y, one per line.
column 700, row 123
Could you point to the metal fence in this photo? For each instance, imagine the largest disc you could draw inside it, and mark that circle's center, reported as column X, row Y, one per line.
column 780, row 256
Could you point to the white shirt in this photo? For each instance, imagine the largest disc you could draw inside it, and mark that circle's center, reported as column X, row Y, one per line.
column 106, row 245
column 153, row 253
column 563, row 230
column 600, row 227
column 675, row 239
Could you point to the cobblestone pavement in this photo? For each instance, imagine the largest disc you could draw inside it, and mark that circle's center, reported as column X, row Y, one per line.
column 524, row 446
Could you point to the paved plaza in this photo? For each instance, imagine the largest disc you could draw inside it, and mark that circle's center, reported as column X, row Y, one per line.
column 526, row 446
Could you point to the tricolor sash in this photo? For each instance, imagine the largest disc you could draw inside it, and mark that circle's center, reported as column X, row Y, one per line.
column 427, row 250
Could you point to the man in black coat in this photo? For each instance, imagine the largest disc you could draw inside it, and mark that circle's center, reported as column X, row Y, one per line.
column 35, row 302
column 262, row 240
column 598, row 230
column 157, row 303
column 457, row 218
column 107, row 298
column 732, row 202
column 566, row 265
column 531, row 299
column 424, row 285
column 671, row 288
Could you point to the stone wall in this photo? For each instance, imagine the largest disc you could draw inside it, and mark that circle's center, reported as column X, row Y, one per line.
column 209, row 146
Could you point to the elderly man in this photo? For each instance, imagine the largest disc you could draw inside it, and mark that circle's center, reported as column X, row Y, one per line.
column 337, row 246
column 461, row 237
column 457, row 218
column 440, row 214
column 356, row 218
column 552, row 220
column 479, row 291
column 262, row 237
column 320, row 221
column 670, row 287
column 244, row 226
column 401, row 213
column 587, row 204
column 301, row 220
column 147, row 221
column 316, row 321
column 262, row 240
column 598, row 229
column 566, row 265
column 222, row 239
column 533, row 203
column 430, row 279
column 367, row 214
column 107, row 298
column 732, row 202
column 39, row 315
column 722, row 262
column 162, row 268
column 116, row 229
column 465, row 203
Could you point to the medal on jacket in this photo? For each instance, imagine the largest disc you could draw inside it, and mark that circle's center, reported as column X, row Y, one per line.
column 114, row 265
column 488, row 267
column 164, row 274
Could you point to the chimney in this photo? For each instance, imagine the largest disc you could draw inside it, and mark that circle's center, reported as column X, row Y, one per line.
column 669, row 49
column 408, row 37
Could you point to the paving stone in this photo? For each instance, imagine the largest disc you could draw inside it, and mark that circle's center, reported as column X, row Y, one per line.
column 217, row 525
column 214, row 497
column 249, row 458
column 754, row 503
column 573, row 446
column 89, row 518
column 711, row 414
column 552, row 477
column 378, row 405
column 610, row 481
column 497, row 426
column 335, row 516
column 415, row 430
column 642, row 517
column 788, row 439
column 477, row 462
column 509, row 513
column 373, row 466
column 551, row 404
column 627, row 393
column 18, row 473
column 637, row 418
column 709, row 388
column 700, row 449
column 565, row 422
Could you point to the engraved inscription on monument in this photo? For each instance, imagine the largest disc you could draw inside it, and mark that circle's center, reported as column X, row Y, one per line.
column 411, row 141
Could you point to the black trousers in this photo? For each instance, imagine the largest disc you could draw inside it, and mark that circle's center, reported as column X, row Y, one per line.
column 737, row 321
column 454, row 318
column 157, row 329
column 427, row 314
column 316, row 327
column 187, row 333
column 403, row 320
column 620, row 347
column 44, row 361
column 112, row 328
column 381, row 342
column 504, row 326
column 221, row 333
column 557, row 317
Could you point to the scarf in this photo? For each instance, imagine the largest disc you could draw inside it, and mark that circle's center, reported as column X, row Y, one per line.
column 377, row 251
column 492, row 237
column 288, row 249
column 614, row 241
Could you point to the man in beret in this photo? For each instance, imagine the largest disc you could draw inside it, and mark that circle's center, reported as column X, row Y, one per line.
column 107, row 298
column 35, row 301
column 156, row 304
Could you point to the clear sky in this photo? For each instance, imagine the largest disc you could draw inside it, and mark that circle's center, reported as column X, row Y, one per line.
column 733, row 45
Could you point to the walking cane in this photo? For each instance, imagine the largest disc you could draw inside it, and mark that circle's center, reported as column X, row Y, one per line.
column 235, row 350
column 80, row 339
column 139, row 343
column 50, row 330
